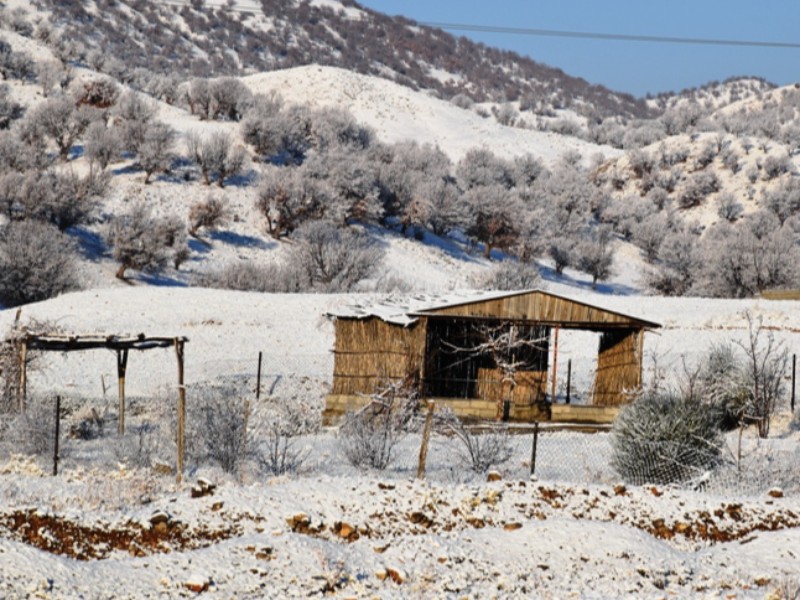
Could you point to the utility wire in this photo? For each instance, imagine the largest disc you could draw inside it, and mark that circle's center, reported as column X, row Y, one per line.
column 608, row 36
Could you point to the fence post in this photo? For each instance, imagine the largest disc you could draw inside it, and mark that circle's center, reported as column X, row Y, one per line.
column 426, row 436
column 258, row 377
column 533, row 446
column 55, row 445
column 794, row 374
column 569, row 378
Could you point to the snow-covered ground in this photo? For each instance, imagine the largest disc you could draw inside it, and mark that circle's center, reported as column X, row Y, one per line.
column 334, row 530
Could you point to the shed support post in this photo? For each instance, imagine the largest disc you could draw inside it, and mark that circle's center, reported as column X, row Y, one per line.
column 181, row 409
column 22, row 392
column 640, row 354
column 555, row 366
column 122, row 366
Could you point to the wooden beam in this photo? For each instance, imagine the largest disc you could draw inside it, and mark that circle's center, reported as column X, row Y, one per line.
column 122, row 366
column 181, row 408
column 555, row 365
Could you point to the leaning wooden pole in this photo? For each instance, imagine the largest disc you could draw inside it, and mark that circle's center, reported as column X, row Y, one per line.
column 181, row 408
column 426, row 437
column 122, row 367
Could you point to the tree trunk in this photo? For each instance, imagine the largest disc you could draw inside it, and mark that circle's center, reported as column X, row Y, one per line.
column 121, row 272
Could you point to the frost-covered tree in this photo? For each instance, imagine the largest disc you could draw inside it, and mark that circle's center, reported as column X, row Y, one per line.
column 334, row 128
column 679, row 260
column 287, row 199
column 59, row 120
column 217, row 156
column 209, row 214
column 595, row 254
column 481, row 168
column 10, row 109
column 446, row 210
column 512, row 275
column 728, row 207
column 332, row 259
column 37, row 262
column 784, row 200
column 229, row 99
column 155, row 152
column 132, row 115
column 102, row 145
column 494, row 217
column 143, row 242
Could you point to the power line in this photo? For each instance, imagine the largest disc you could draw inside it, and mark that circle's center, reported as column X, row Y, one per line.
column 609, row 36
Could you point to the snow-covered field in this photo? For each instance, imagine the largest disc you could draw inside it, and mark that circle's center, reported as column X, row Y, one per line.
column 332, row 530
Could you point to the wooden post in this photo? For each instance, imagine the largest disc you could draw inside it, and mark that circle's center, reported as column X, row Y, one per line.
column 555, row 367
column 640, row 355
column 426, row 436
column 55, row 445
column 181, row 409
column 258, row 377
column 794, row 378
column 569, row 379
column 22, row 392
column 122, row 366
column 534, row 447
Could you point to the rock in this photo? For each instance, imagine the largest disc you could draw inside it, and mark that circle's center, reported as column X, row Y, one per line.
column 397, row 575
column 381, row 574
column 158, row 518
column 203, row 487
column 512, row 526
column 620, row 490
column 217, row 506
column 775, row 493
column 197, row 583
column 345, row 530
column 493, row 476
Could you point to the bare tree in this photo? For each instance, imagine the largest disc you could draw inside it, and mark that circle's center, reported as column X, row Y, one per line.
column 766, row 360
column 102, row 145
column 59, row 120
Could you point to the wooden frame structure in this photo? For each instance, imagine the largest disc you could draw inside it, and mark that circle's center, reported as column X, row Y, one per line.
column 375, row 347
column 119, row 344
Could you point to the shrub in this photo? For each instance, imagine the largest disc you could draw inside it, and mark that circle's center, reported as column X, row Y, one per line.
column 478, row 451
column 278, row 430
column 331, row 259
column 36, row 263
column 210, row 213
column 143, row 242
column 512, row 275
column 58, row 119
column 216, row 155
column 369, row 436
column 33, row 430
column 665, row 437
column 216, row 428
column 155, row 152
column 102, row 145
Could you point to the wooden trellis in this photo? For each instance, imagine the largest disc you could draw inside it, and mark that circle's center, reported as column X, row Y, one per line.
column 119, row 344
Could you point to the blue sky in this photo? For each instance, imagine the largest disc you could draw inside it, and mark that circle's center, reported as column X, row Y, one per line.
column 635, row 67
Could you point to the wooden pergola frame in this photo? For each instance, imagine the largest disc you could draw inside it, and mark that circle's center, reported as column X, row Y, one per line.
column 121, row 345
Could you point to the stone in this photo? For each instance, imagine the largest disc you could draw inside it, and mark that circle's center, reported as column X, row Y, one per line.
column 493, row 476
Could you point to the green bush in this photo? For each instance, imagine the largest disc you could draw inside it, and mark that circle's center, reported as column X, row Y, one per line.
column 664, row 437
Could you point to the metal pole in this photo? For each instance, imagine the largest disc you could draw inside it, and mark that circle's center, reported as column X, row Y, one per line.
column 181, row 408
column 533, row 446
column 555, row 367
column 122, row 366
column 569, row 379
column 258, row 377
column 55, row 445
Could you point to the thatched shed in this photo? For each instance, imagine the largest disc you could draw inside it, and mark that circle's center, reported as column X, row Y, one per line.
column 485, row 355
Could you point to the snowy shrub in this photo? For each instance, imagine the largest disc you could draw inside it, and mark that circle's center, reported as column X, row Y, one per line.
column 664, row 437
column 287, row 199
column 59, row 120
column 102, row 145
column 33, row 430
column 10, row 110
column 595, row 255
column 139, row 446
column 251, row 277
column 229, row 98
column 99, row 93
column 216, row 428
column 478, row 451
column 697, row 188
column 369, row 436
column 775, row 166
column 512, row 275
column 143, row 242
column 131, row 115
column 36, row 263
column 462, row 101
column 649, row 234
column 728, row 207
column 330, row 259
column 334, row 127
column 505, row 114
column 278, row 430
column 16, row 65
column 155, row 152
column 210, row 213
column 784, row 200
column 722, row 384
column 216, row 155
